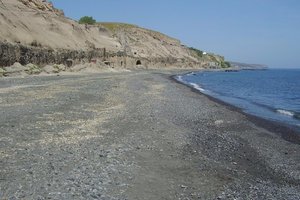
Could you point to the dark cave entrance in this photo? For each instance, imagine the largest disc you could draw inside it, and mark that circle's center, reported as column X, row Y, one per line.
column 138, row 62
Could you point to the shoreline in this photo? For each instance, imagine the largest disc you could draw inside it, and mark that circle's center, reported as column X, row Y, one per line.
column 285, row 131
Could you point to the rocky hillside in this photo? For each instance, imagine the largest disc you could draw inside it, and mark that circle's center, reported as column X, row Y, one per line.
column 32, row 31
column 136, row 41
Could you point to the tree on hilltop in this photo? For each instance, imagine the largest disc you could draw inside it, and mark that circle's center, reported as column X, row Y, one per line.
column 87, row 20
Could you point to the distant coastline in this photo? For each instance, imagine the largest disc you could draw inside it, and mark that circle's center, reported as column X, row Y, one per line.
column 246, row 66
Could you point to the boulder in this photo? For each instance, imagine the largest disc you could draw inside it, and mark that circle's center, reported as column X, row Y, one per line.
column 16, row 67
column 15, row 70
column 49, row 69
column 60, row 67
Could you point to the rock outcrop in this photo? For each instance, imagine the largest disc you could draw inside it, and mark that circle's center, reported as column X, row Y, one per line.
column 42, row 5
column 11, row 53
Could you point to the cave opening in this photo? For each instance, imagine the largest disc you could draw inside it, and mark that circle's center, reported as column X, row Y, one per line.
column 138, row 62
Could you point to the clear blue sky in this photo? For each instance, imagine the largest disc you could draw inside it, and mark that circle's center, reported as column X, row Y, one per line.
column 252, row 31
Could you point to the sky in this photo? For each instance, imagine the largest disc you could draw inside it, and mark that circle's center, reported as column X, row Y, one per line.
column 250, row 31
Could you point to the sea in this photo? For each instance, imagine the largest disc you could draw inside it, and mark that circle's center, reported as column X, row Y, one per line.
column 273, row 94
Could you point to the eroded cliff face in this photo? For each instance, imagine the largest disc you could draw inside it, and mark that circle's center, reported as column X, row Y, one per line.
column 33, row 31
column 140, row 42
column 42, row 5
column 11, row 53
column 35, row 21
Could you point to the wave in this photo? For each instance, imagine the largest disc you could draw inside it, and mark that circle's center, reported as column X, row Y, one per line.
column 285, row 112
column 191, row 74
column 197, row 87
column 292, row 114
column 288, row 113
column 194, row 85
column 179, row 78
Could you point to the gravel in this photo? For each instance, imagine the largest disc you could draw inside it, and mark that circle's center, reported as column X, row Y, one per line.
column 135, row 135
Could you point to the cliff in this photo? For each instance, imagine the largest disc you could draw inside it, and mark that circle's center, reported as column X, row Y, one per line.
column 33, row 31
column 137, row 41
column 33, row 21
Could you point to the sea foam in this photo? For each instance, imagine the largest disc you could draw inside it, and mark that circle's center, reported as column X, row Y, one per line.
column 197, row 87
column 194, row 85
column 179, row 78
column 286, row 112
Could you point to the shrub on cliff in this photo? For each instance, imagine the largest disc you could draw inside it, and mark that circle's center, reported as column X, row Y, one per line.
column 225, row 64
column 197, row 51
column 87, row 20
column 228, row 64
column 2, row 72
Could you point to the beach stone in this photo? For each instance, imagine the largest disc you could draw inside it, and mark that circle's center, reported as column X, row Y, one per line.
column 219, row 122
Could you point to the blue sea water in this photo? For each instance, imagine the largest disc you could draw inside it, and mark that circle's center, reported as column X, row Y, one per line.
column 272, row 94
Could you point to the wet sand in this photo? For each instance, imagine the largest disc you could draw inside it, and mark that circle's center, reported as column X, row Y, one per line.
column 136, row 135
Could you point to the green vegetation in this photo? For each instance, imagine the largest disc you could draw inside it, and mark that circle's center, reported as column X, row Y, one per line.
column 2, row 72
column 32, row 69
column 115, row 26
column 197, row 51
column 228, row 63
column 87, row 20
column 225, row 64
column 213, row 58
column 219, row 60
